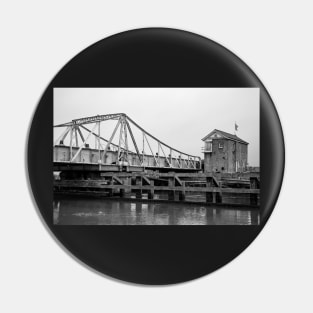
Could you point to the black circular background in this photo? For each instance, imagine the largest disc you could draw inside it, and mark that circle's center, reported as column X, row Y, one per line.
column 155, row 57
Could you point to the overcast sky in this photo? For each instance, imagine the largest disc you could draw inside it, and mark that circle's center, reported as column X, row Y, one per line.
column 180, row 117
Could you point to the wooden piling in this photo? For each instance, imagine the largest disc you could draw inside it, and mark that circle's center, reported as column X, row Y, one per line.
column 219, row 198
column 254, row 183
column 151, row 191
column 123, row 182
column 122, row 193
column 214, row 197
column 139, row 183
column 182, row 194
column 171, row 184
column 127, row 182
column 209, row 195
column 253, row 199
column 110, row 190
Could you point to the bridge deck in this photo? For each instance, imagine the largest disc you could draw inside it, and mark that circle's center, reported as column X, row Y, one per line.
column 88, row 160
column 91, row 167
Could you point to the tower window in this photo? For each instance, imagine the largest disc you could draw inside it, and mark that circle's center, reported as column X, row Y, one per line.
column 220, row 145
column 208, row 146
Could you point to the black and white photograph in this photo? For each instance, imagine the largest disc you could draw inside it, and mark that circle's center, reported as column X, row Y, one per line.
column 156, row 156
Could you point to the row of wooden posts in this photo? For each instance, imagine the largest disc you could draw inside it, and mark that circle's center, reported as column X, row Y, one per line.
column 174, row 183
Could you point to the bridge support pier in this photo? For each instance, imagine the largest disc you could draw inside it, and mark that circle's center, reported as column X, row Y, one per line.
column 122, row 193
column 138, row 191
column 254, row 184
column 214, row 197
column 171, row 184
column 210, row 196
column 253, row 199
column 218, row 197
column 128, row 182
column 151, row 191
column 182, row 194
column 109, row 191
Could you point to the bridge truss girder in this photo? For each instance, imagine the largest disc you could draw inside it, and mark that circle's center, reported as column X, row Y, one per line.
column 74, row 128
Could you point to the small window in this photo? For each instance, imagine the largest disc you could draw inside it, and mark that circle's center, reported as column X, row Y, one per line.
column 221, row 146
column 208, row 146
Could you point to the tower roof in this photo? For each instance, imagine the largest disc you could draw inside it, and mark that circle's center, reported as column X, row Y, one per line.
column 220, row 133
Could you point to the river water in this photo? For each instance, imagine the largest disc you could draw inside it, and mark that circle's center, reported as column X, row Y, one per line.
column 86, row 211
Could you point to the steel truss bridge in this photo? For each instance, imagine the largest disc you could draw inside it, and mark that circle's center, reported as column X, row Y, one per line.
column 125, row 155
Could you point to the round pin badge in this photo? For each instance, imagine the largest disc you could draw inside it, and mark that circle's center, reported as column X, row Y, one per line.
column 155, row 156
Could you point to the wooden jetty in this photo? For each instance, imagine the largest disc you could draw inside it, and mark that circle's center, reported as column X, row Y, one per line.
column 176, row 185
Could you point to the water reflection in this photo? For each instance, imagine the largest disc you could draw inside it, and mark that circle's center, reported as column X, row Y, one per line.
column 115, row 212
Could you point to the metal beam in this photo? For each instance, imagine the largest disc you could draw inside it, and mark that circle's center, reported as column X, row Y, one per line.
column 62, row 136
column 156, row 162
column 134, row 141
column 110, row 140
column 143, row 146
column 159, row 153
column 180, row 163
column 170, row 165
column 76, row 138
column 186, row 161
column 171, row 157
column 71, row 144
column 101, row 138
column 126, row 142
column 81, row 147
column 164, row 144
column 81, row 134
column 99, row 145
column 120, row 140
column 92, row 119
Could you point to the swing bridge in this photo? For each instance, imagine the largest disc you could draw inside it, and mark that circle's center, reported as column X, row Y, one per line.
column 73, row 151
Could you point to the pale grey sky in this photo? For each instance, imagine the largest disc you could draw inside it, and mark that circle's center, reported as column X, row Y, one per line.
column 180, row 117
